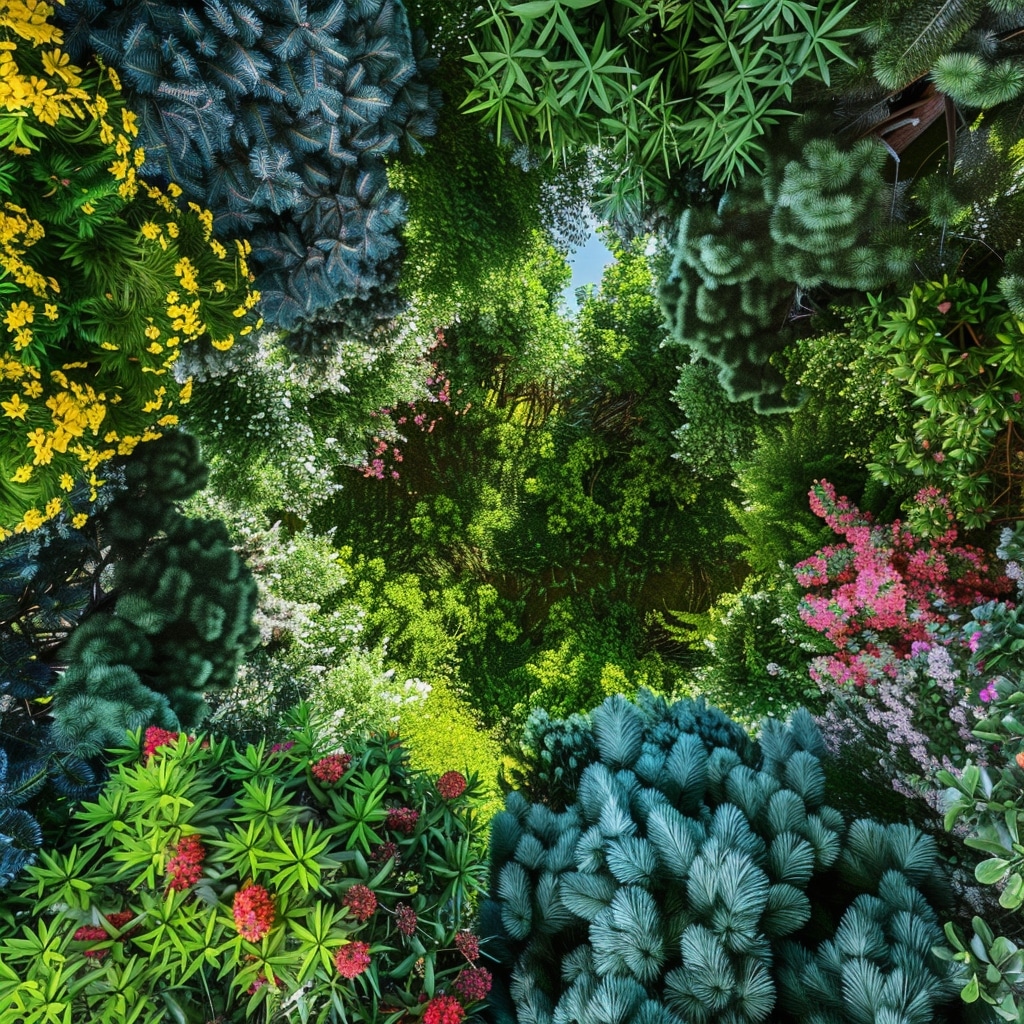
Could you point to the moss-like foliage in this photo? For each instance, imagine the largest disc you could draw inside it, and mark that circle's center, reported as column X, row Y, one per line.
column 737, row 267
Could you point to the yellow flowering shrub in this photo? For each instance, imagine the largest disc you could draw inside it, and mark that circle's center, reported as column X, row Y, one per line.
column 104, row 277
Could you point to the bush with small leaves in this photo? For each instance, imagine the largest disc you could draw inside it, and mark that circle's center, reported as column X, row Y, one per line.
column 705, row 881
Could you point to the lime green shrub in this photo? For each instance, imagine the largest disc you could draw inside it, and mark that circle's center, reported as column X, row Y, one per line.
column 207, row 882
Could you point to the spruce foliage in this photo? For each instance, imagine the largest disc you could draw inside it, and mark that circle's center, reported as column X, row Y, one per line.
column 279, row 117
column 710, row 883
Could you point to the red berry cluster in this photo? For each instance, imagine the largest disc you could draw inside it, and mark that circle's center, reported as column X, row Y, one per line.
column 472, row 984
column 185, row 866
column 402, row 819
column 353, row 959
column 451, row 785
column 331, row 768
column 253, row 909
column 405, row 919
column 361, row 901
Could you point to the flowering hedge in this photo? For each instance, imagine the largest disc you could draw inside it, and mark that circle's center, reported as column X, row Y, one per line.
column 207, row 881
column 102, row 279
column 885, row 589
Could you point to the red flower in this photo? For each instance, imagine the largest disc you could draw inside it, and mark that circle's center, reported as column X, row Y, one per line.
column 185, row 867
column 120, row 918
column 96, row 933
column 451, row 785
column 92, row 933
column 383, row 853
column 1020, row 760
column 405, row 918
column 361, row 901
column 443, row 1010
column 468, row 945
column 156, row 738
column 254, row 912
column 472, row 984
column 402, row 819
column 353, row 959
column 331, row 768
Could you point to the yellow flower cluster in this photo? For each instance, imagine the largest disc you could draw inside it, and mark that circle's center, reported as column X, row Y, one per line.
column 50, row 98
column 64, row 419
column 58, row 426
column 19, row 232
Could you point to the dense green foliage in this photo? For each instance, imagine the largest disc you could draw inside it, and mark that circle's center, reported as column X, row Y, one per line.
column 446, row 507
column 342, row 887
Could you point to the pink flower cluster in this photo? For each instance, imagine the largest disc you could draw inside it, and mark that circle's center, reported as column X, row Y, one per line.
column 361, row 901
column 473, row 983
column 884, row 587
column 352, row 959
column 155, row 738
column 331, row 768
column 385, row 455
column 402, row 819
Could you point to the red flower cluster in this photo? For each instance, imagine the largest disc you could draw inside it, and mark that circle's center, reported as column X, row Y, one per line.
column 451, row 785
column 384, row 852
column 472, row 984
column 468, row 945
column 361, row 901
column 353, row 959
column 185, row 867
column 405, row 918
column 331, row 768
column 95, row 933
column 254, row 912
column 260, row 981
column 443, row 1010
column 402, row 819
column 155, row 738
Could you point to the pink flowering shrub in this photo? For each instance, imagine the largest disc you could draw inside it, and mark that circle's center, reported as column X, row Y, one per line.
column 423, row 414
column 884, row 589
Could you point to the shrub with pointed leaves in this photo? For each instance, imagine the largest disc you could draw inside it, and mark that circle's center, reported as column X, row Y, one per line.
column 279, row 116
column 302, row 896
column 692, row 881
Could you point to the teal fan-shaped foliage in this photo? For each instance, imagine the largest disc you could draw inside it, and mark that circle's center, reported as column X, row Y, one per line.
column 278, row 117
column 698, row 877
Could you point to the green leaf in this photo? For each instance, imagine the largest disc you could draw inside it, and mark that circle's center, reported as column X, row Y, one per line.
column 989, row 872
